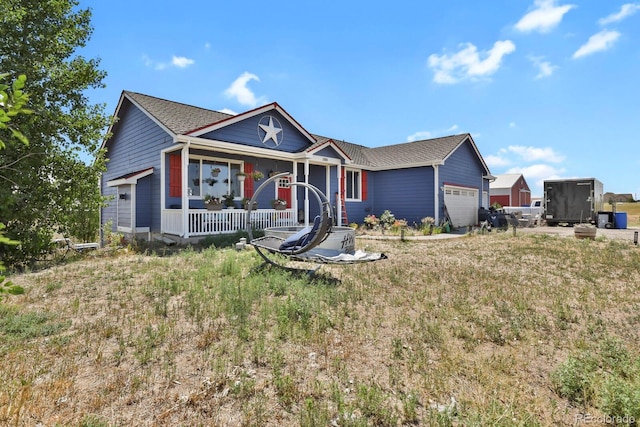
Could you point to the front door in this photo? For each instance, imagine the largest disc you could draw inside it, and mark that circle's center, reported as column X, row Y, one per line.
column 284, row 190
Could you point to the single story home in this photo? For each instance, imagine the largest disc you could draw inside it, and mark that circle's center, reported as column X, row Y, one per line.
column 165, row 157
column 610, row 197
column 510, row 189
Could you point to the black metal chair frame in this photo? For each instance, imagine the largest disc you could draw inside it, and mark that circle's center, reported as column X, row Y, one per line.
column 272, row 244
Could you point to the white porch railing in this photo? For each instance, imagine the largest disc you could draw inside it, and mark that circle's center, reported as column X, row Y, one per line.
column 202, row 222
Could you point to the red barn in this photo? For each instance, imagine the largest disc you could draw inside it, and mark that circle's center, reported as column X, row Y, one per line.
column 510, row 189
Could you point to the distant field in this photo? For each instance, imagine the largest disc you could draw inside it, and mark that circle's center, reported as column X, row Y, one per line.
column 632, row 210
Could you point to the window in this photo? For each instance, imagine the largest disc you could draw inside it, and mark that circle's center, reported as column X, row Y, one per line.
column 214, row 177
column 352, row 185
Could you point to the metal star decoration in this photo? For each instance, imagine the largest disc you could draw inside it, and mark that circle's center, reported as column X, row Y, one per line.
column 270, row 132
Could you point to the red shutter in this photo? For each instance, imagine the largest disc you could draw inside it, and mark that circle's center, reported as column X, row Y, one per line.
column 248, row 182
column 364, row 185
column 175, row 175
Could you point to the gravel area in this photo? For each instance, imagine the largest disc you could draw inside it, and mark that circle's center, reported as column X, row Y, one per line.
column 626, row 234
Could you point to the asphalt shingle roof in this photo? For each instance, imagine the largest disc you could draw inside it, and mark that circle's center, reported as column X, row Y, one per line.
column 426, row 151
column 181, row 118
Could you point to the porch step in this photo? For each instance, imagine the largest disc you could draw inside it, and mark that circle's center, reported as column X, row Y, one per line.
column 167, row 241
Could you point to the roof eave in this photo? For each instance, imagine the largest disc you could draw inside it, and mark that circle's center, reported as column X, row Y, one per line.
column 124, row 96
column 399, row 166
column 230, row 147
column 330, row 143
column 131, row 179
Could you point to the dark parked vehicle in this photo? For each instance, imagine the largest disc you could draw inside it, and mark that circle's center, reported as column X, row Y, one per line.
column 572, row 201
column 493, row 218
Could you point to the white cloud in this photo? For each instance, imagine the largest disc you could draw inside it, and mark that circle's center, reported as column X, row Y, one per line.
column 176, row 61
column 600, row 41
column 512, row 125
column 241, row 92
column 181, row 61
column 532, row 154
column 538, row 171
column 545, row 69
column 148, row 62
column 207, row 46
column 228, row 111
column 496, row 161
column 544, row 17
column 467, row 62
column 425, row 134
column 537, row 174
column 534, row 163
column 625, row 11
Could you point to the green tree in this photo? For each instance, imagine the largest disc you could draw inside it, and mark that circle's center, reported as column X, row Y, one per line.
column 12, row 103
column 48, row 186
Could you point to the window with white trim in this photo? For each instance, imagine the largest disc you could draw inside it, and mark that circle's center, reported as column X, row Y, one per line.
column 213, row 177
column 353, row 184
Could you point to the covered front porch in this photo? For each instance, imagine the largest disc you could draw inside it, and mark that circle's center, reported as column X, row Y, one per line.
column 230, row 173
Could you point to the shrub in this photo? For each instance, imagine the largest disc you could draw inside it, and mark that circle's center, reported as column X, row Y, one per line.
column 371, row 221
column 387, row 219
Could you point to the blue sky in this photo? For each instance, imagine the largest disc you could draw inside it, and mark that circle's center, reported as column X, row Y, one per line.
column 547, row 88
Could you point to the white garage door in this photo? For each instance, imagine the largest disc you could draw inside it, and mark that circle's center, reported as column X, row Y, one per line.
column 462, row 205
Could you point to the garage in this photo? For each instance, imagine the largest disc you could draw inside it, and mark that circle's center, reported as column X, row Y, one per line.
column 462, row 205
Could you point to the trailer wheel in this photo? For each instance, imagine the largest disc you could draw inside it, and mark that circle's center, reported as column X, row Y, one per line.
column 608, row 226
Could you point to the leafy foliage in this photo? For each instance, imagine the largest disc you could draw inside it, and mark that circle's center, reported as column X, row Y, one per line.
column 49, row 185
column 12, row 103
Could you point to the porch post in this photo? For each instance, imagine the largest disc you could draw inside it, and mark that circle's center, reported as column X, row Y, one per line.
column 306, row 193
column 184, row 155
column 294, row 193
column 436, row 194
column 163, row 155
column 327, row 179
column 338, row 196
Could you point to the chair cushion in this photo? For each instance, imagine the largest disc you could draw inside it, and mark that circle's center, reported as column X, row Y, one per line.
column 302, row 237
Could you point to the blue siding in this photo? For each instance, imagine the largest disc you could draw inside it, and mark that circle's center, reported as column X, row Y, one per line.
column 407, row 193
column 356, row 211
column 246, row 133
column 462, row 168
column 135, row 145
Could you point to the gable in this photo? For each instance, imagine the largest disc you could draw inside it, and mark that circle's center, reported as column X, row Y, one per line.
column 328, row 148
column 507, row 181
column 463, row 167
column 270, row 130
column 135, row 142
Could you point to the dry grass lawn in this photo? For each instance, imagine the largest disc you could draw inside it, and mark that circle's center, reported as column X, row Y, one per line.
column 517, row 331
